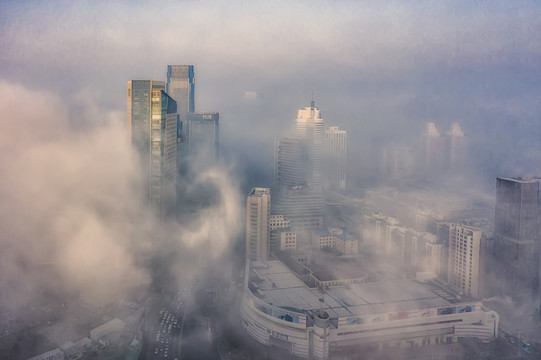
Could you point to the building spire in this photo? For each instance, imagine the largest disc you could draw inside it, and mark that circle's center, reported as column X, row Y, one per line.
column 312, row 103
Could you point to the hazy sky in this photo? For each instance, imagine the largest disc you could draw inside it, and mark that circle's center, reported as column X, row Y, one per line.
column 380, row 69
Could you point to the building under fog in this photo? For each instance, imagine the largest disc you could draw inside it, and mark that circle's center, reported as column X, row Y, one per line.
column 456, row 148
column 335, row 159
column 466, row 260
column 152, row 123
column 517, row 238
column 181, row 87
column 203, row 136
column 258, row 204
column 397, row 162
column 298, row 171
column 285, row 313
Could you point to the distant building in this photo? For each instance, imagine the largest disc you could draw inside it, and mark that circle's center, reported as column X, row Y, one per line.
column 338, row 239
column 397, row 162
column 281, row 236
column 258, row 205
column 432, row 149
column 466, row 260
column 152, row 122
column 55, row 354
column 456, row 148
column 335, row 159
column 181, row 87
column 298, row 172
column 203, row 136
column 517, row 237
column 288, row 239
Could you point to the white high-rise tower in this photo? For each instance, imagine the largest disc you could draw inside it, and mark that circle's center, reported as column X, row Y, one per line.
column 257, row 224
column 335, row 159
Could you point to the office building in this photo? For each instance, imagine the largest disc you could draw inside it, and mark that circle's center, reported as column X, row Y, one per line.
column 257, row 224
column 335, row 159
column 298, row 171
column 181, row 87
column 466, row 260
column 152, row 123
column 516, row 237
column 203, row 136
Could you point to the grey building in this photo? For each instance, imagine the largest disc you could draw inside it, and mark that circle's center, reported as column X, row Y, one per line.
column 204, row 135
column 152, row 123
column 516, row 238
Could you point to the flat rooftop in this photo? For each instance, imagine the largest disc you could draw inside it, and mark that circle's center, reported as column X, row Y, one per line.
column 279, row 286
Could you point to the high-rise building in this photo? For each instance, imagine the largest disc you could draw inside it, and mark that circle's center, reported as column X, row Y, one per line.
column 456, row 147
column 335, row 159
column 466, row 260
column 298, row 171
column 517, row 237
column 433, row 149
column 152, row 122
column 181, row 87
column 258, row 205
column 203, row 135
column 397, row 162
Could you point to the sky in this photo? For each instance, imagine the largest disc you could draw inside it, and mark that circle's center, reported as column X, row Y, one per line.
column 379, row 69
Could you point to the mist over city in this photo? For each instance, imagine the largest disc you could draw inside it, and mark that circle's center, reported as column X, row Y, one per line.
column 283, row 180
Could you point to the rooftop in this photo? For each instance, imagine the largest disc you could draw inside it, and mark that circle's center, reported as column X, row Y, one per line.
column 279, row 286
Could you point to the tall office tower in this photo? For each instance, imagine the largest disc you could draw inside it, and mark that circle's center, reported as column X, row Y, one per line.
column 456, row 147
column 432, row 149
column 397, row 162
column 203, row 136
column 335, row 159
column 257, row 224
column 298, row 172
column 516, row 237
column 181, row 87
column 466, row 260
column 152, row 122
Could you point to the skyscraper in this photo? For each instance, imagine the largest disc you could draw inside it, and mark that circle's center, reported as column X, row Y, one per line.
column 298, row 171
column 152, row 123
column 335, row 159
column 181, row 87
column 203, row 135
column 456, row 147
column 517, row 237
column 433, row 149
column 258, row 205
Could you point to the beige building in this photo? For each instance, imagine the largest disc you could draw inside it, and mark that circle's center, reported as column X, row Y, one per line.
column 466, row 260
column 257, row 224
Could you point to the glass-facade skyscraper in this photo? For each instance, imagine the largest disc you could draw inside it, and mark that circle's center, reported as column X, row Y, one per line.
column 298, row 171
column 204, row 135
column 152, row 123
column 181, row 87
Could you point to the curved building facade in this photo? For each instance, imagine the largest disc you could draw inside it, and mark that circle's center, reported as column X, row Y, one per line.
column 279, row 310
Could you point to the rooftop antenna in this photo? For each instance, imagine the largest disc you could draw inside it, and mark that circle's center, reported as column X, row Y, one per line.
column 313, row 104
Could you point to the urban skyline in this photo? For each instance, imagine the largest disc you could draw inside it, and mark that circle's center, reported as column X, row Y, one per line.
column 124, row 208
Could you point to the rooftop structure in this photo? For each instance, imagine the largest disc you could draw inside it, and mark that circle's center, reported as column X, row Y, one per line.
column 279, row 309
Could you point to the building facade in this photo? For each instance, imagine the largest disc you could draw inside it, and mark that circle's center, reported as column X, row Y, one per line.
column 516, row 237
column 466, row 260
column 181, row 87
column 204, row 135
column 152, row 123
column 282, row 312
column 335, row 159
column 298, row 171
column 258, row 205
